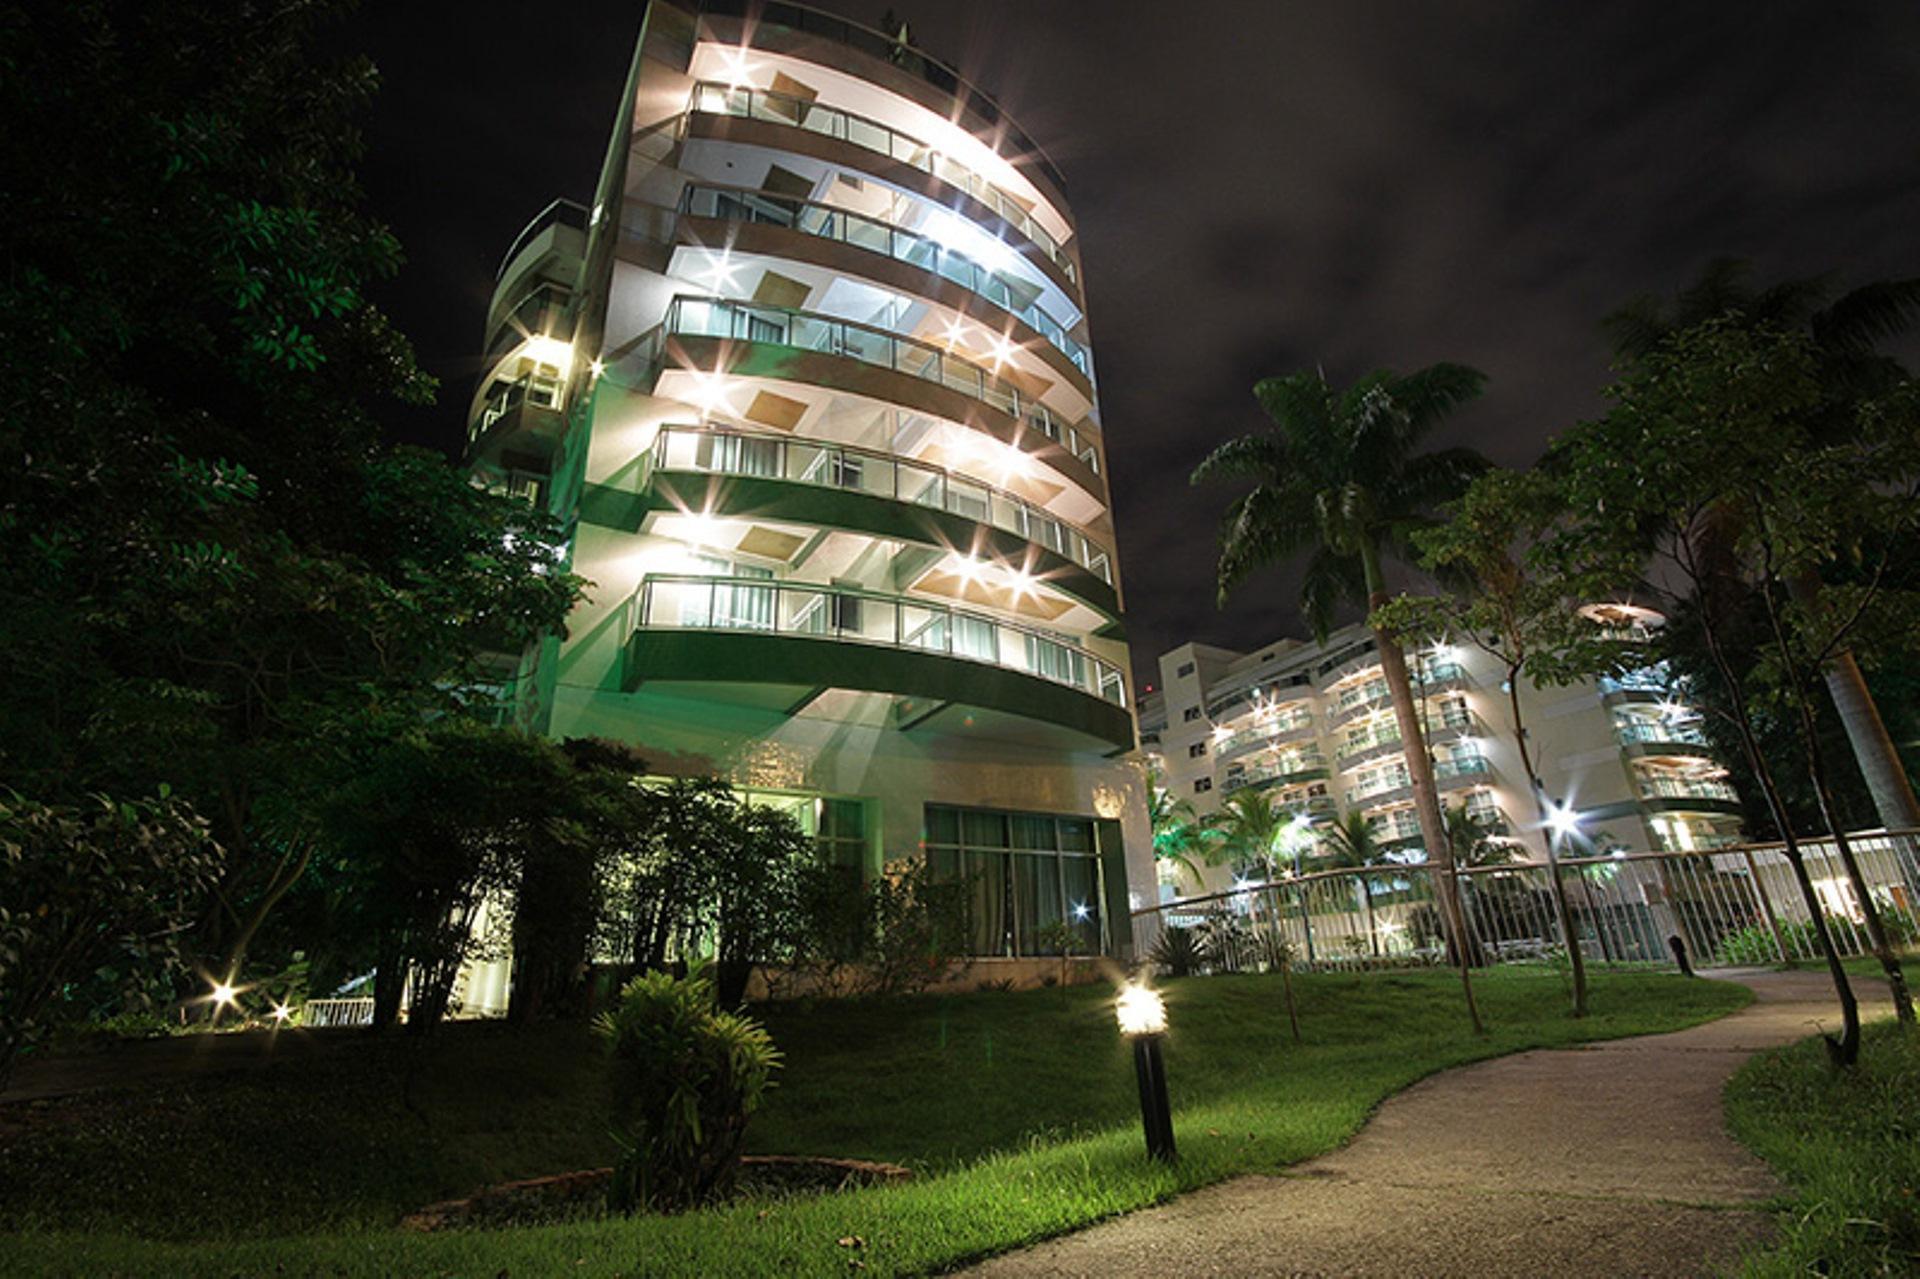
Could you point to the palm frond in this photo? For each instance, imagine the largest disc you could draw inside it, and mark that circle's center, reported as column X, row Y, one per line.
column 1636, row 327
column 1254, row 456
column 1263, row 527
column 1430, row 394
column 1303, row 408
column 1431, row 479
column 1330, row 581
column 1868, row 316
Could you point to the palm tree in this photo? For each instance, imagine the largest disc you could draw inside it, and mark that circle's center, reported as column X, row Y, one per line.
column 1337, row 479
column 1846, row 333
column 1180, row 836
column 1250, row 828
column 1351, row 844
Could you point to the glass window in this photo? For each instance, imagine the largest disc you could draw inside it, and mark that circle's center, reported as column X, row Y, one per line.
column 1028, row 873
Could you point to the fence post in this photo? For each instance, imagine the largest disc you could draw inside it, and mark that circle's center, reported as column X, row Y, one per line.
column 1306, row 917
column 1773, row 920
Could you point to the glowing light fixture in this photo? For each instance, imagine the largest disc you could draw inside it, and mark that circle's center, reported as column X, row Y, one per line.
column 542, row 349
column 223, row 993
column 1563, row 821
column 1143, row 1019
column 1082, row 911
column 281, row 1012
column 735, row 69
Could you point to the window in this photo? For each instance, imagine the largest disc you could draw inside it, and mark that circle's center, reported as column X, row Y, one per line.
column 1190, row 714
column 1026, row 872
column 1185, row 669
column 1202, row 785
column 1196, row 750
column 839, row 832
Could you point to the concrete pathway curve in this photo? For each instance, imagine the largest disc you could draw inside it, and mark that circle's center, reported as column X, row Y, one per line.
column 1609, row 1159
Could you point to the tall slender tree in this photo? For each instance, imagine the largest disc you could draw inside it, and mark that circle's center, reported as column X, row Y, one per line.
column 1846, row 334
column 1338, row 479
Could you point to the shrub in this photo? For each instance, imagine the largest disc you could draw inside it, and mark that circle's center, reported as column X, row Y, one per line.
column 1176, row 951
column 686, row 1078
column 99, row 895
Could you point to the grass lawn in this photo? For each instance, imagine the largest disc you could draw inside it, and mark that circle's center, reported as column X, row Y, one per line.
column 1017, row 1110
column 1849, row 1144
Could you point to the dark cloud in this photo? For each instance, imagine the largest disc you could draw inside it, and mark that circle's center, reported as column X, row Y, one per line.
column 1262, row 187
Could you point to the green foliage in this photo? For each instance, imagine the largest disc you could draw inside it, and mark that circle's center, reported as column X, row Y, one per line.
column 1337, row 478
column 686, row 1078
column 1181, row 837
column 1846, row 1142
column 213, row 576
column 896, row 934
column 97, row 897
column 1176, row 952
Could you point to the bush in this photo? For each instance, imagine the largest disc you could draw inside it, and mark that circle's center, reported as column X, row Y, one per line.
column 686, row 1078
column 100, row 894
column 1176, row 951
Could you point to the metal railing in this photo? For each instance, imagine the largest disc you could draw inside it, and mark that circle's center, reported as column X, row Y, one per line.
column 1302, row 767
column 1736, row 906
column 826, row 222
column 685, row 602
column 1263, row 734
column 713, row 98
column 533, row 390
column 1676, row 788
column 810, row 331
column 718, row 451
column 1634, row 731
column 336, row 1012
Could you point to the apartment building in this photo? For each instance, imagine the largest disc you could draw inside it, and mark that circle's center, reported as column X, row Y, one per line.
column 810, row 383
column 1311, row 725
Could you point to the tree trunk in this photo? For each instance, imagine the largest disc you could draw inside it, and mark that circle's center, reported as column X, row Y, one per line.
column 1873, row 748
column 1845, row 1050
column 1560, row 905
column 1426, row 798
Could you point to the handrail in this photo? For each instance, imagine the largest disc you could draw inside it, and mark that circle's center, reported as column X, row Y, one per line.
column 868, row 617
column 538, row 390
column 767, row 455
column 690, row 316
column 811, row 21
column 558, row 213
column 1662, row 734
column 711, row 97
column 876, row 235
column 1674, row 788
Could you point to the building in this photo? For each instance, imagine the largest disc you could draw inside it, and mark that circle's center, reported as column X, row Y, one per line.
column 809, row 383
column 1311, row 724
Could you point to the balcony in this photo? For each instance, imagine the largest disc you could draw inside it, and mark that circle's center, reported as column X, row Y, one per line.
column 810, row 332
column 753, row 631
column 542, row 311
column 1276, row 733
column 873, row 235
column 1643, row 737
column 1283, row 772
column 529, row 405
column 1461, row 770
column 712, row 98
column 1687, row 788
column 885, row 477
column 1361, row 697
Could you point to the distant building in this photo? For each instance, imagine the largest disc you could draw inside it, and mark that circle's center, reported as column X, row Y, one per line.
column 1311, row 724
column 811, row 387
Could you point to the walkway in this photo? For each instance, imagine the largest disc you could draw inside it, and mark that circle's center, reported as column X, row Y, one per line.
column 1604, row 1160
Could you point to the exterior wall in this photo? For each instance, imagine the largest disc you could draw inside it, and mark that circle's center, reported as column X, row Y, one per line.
column 1598, row 748
column 827, row 440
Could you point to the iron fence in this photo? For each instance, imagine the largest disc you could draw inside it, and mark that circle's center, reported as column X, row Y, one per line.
column 1738, row 905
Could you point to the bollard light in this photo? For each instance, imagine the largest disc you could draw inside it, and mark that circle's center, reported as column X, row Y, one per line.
column 1143, row 1019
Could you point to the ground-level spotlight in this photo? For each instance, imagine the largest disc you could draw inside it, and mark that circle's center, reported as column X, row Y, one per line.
column 223, row 994
column 281, row 1012
column 1143, row 1019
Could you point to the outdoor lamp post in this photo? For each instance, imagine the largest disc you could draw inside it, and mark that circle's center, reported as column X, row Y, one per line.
column 1143, row 1019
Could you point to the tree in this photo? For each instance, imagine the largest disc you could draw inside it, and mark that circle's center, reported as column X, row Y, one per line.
column 1338, row 479
column 1520, row 609
column 1351, row 844
column 213, row 576
column 1845, row 336
column 1706, row 446
column 1181, row 837
column 99, row 895
column 1250, row 828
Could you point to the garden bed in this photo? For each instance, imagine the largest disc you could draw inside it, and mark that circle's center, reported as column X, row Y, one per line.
column 577, row 1196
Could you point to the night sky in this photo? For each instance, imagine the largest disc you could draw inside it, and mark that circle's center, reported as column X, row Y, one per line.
column 1260, row 188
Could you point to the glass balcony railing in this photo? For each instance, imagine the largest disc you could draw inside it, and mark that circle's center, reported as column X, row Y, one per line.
column 1460, row 766
column 1686, row 788
column 1294, row 766
column 1396, row 827
column 808, row 331
column 714, row 451
column 1648, row 679
column 1361, row 743
column 675, row 602
column 1663, row 734
column 540, row 312
column 876, row 236
column 532, row 391
column 559, row 213
column 1248, row 738
column 713, row 98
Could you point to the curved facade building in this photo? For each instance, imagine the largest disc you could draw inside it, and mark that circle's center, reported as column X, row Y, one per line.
column 810, row 382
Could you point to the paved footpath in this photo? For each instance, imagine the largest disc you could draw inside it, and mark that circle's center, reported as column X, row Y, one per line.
column 1610, row 1159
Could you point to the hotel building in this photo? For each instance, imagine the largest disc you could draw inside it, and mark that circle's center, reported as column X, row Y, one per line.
column 809, row 382
column 1311, row 724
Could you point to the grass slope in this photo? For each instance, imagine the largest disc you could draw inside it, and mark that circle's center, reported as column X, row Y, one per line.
column 1848, row 1143
column 1018, row 1109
